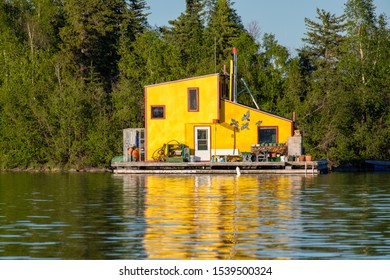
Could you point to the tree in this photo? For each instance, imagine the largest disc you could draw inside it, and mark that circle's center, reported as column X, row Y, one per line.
column 270, row 72
column 136, row 21
column 295, row 91
column 247, row 52
column 187, row 34
column 367, row 68
column 324, row 38
column 91, row 37
column 361, row 27
column 345, row 116
column 224, row 26
column 25, row 89
column 320, row 120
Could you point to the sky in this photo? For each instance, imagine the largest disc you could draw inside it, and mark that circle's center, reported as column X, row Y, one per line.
column 283, row 18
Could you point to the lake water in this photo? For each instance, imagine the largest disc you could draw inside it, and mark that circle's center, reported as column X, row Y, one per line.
column 106, row 216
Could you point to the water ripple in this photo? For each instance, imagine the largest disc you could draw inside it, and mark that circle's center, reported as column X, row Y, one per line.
column 336, row 216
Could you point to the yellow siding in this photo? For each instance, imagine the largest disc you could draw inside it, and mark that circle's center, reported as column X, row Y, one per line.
column 179, row 124
column 174, row 96
column 222, row 133
column 245, row 138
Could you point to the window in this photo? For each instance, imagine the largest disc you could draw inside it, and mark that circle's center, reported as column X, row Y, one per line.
column 193, row 100
column 158, row 112
column 202, row 139
column 268, row 135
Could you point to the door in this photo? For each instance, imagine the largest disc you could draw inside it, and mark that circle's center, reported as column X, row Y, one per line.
column 202, row 143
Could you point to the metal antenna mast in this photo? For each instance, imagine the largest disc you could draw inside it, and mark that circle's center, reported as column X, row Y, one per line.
column 250, row 93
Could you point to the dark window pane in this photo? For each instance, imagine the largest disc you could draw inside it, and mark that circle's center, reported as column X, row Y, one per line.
column 202, row 145
column 193, row 100
column 267, row 135
column 202, row 140
column 157, row 112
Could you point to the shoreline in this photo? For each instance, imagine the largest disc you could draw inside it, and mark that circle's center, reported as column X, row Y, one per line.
column 57, row 170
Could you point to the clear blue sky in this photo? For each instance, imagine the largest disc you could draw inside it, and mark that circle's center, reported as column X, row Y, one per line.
column 284, row 18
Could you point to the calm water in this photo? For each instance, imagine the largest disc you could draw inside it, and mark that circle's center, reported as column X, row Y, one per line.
column 106, row 216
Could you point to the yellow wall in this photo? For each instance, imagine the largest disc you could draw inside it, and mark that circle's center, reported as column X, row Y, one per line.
column 174, row 96
column 245, row 138
column 222, row 133
column 179, row 124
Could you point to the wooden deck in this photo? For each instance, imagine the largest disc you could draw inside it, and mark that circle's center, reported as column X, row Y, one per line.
column 304, row 167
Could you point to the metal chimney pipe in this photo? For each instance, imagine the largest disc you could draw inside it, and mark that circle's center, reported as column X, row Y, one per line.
column 235, row 75
column 231, row 81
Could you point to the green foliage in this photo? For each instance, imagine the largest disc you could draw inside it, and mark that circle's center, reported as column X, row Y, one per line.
column 136, row 21
column 324, row 38
column 224, row 26
column 187, row 35
column 72, row 76
column 91, row 36
column 348, row 92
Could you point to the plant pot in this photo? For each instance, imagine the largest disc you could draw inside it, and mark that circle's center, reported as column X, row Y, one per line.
column 308, row 158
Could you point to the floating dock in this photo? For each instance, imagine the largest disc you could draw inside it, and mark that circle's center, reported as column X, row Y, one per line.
column 294, row 167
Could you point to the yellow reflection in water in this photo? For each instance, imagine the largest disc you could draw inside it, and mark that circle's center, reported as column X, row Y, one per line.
column 216, row 217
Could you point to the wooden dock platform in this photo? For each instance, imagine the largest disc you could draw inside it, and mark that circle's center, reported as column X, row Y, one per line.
column 296, row 167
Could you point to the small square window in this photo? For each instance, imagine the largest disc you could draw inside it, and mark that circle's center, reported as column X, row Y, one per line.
column 193, row 100
column 268, row 135
column 158, row 112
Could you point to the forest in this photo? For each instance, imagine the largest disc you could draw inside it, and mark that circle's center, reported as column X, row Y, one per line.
column 72, row 75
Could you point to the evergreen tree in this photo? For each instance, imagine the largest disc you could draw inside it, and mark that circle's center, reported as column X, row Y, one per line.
column 295, row 91
column 187, row 33
column 137, row 20
column 323, row 38
column 91, row 37
column 224, row 26
column 319, row 60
